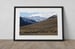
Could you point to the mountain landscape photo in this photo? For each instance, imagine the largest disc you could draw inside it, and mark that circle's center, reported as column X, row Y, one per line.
column 38, row 25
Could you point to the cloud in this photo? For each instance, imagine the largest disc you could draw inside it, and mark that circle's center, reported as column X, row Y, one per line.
column 44, row 14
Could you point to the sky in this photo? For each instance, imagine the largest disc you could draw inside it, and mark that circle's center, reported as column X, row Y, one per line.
column 41, row 14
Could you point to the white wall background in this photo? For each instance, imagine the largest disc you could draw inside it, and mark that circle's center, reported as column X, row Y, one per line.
column 7, row 15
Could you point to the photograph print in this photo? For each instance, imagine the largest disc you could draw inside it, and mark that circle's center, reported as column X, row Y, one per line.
column 38, row 23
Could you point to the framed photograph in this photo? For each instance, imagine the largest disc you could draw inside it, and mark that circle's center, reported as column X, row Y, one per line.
column 38, row 23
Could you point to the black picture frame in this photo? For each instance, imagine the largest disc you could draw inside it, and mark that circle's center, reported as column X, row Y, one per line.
column 62, row 12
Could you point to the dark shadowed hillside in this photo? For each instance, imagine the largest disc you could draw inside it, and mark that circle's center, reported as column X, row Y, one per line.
column 47, row 27
column 26, row 21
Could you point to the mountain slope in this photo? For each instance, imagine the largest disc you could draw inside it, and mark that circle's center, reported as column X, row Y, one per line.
column 26, row 21
column 46, row 27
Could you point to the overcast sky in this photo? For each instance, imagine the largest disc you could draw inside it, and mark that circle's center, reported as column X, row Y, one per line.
column 41, row 14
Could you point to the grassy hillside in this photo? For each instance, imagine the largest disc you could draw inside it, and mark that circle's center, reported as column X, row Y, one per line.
column 47, row 27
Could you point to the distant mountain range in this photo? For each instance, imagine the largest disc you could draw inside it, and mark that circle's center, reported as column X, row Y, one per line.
column 33, row 19
column 37, row 18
